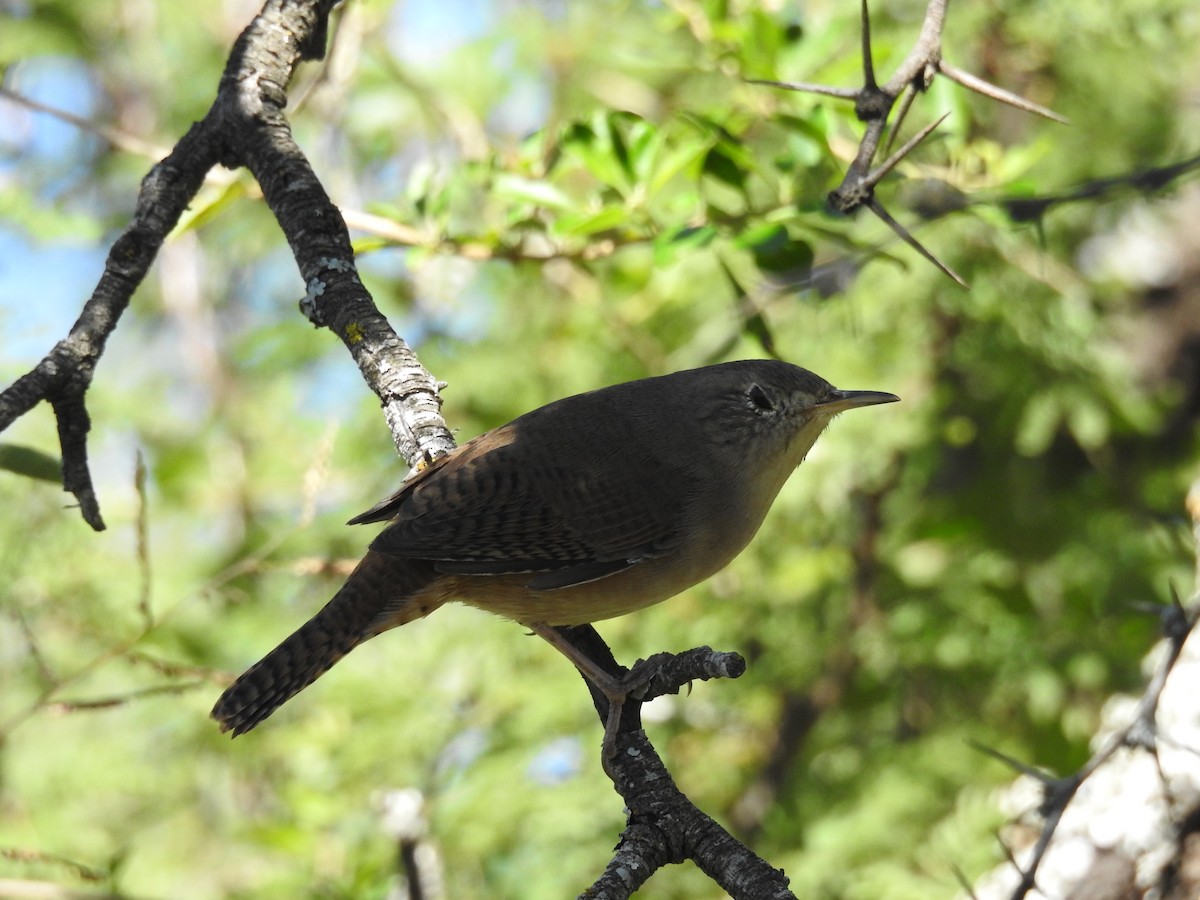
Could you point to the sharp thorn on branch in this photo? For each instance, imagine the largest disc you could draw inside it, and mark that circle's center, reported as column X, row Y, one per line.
column 906, row 102
column 892, row 161
column 1176, row 600
column 1013, row 763
column 986, row 89
column 1175, row 620
column 876, row 207
column 868, row 65
column 840, row 93
column 1008, row 853
column 1056, row 794
column 963, row 882
column 1142, row 733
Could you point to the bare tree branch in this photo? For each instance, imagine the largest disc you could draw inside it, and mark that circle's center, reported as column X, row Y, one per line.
column 64, row 375
column 244, row 126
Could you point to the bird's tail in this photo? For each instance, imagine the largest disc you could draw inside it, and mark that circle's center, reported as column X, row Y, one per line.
column 377, row 596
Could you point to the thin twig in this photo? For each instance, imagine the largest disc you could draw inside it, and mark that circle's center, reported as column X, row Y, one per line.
column 122, row 140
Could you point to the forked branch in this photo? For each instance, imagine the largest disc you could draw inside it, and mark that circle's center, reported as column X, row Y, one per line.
column 245, row 126
column 663, row 825
column 873, row 104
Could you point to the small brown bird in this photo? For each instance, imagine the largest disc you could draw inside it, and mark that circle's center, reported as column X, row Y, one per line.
column 590, row 507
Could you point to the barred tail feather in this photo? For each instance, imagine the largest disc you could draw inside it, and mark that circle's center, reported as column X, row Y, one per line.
column 374, row 598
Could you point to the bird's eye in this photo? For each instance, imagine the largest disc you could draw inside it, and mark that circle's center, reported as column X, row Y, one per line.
column 759, row 401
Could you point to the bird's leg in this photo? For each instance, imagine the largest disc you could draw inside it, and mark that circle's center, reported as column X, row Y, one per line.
column 614, row 689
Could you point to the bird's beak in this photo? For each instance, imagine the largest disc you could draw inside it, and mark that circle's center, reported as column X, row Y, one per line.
column 840, row 401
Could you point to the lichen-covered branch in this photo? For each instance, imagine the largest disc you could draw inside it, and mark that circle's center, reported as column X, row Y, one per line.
column 245, row 126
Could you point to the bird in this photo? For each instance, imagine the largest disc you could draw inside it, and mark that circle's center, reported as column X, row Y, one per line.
column 591, row 507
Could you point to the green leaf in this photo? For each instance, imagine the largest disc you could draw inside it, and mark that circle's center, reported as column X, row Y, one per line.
column 683, row 241
column 605, row 151
column 210, row 203
column 527, row 190
column 753, row 324
column 581, row 224
column 645, row 142
column 31, row 463
column 674, row 161
column 722, row 165
column 775, row 251
column 616, row 143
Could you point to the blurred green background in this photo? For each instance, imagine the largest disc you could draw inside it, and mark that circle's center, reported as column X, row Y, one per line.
column 589, row 193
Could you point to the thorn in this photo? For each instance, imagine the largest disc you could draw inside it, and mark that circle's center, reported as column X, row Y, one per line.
column 1176, row 600
column 1142, row 734
column 906, row 101
column 875, row 207
column 979, row 86
column 892, row 161
column 1028, row 881
column 840, row 93
column 1009, row 855
column 1176, row 625
column 868, row 65
column 963, row 882
column 1147, row 608
column 1057, row 793
column 1015, row 764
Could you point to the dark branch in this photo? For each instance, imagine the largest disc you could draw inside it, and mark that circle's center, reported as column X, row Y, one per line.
column 664, row 826
column 244, row 126
column 62, row 378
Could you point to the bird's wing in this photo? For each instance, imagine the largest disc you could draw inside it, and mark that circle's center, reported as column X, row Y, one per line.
column 498, row 506
column 390, row 506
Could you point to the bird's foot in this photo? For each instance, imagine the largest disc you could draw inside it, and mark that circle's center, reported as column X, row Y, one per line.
column 616, row 689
